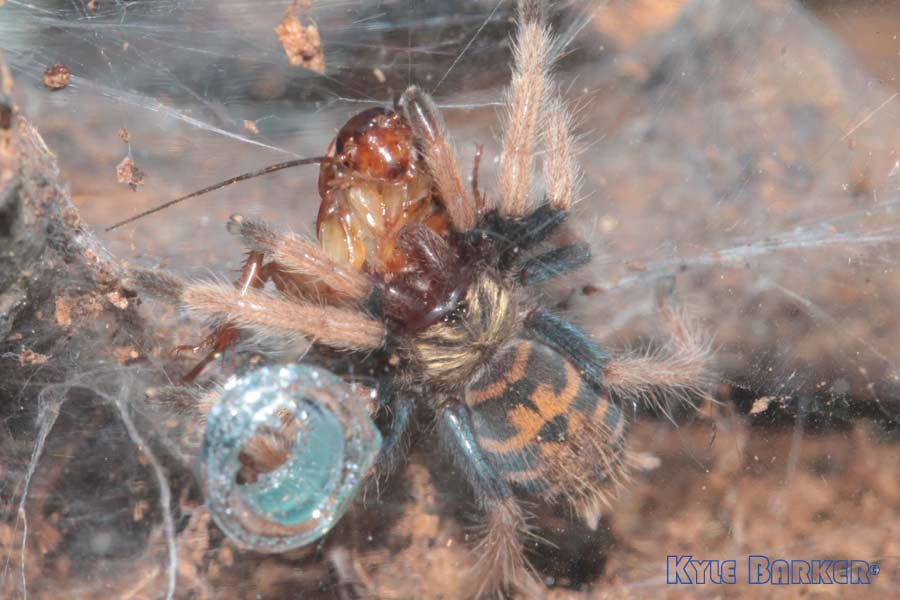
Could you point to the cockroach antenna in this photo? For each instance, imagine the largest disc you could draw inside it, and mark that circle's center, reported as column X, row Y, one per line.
column 264, row 171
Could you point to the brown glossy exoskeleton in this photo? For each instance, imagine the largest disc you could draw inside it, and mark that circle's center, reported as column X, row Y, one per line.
column 372, row 186
column 422, row 283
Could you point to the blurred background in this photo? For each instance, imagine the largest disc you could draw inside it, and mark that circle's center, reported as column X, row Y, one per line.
column 746, row 151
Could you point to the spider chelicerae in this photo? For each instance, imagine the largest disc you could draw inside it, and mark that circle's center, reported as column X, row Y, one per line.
column 431, row 286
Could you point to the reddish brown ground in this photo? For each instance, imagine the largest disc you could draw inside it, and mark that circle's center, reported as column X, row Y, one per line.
column 728, row 485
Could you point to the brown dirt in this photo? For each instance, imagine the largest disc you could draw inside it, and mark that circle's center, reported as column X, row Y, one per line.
column 716, row 128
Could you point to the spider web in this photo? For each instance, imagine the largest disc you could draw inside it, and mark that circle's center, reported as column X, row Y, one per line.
column 748, row 156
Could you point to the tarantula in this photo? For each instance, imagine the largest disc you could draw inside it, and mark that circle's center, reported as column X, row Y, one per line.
column 439, row 299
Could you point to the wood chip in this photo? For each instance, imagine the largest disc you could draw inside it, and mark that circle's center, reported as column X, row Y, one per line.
column 127, row 172
column 56, row 77
column 118, row 300
column 30, row 357
column 302, row 45
column 62, row 314
column 636, row 266
column 761, row 404
column 125, row 354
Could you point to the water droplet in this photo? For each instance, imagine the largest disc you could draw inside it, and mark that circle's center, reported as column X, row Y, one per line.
column 325, row 437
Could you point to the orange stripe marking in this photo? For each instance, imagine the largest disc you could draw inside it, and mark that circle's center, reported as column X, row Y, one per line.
column 514, row 374
column 529, row 423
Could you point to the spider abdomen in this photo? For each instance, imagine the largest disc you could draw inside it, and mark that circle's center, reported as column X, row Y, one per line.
column 548, row 431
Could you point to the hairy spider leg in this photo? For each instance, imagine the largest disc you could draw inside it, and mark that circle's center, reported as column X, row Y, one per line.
column 301, row 257
column 527, row 94
column 401, row 410
column 515, row 236
column 431, row 134
column 571, row 342
column 267, row 315
column 501, row 561
column 294, row 259
column 678, row 370
column 561, row 171
column 253, row 274
column 554, row 263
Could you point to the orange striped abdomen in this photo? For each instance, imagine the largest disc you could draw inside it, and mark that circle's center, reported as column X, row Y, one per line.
column 548, row 431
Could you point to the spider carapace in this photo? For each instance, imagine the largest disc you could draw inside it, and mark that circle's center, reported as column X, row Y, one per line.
column 434, row 289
